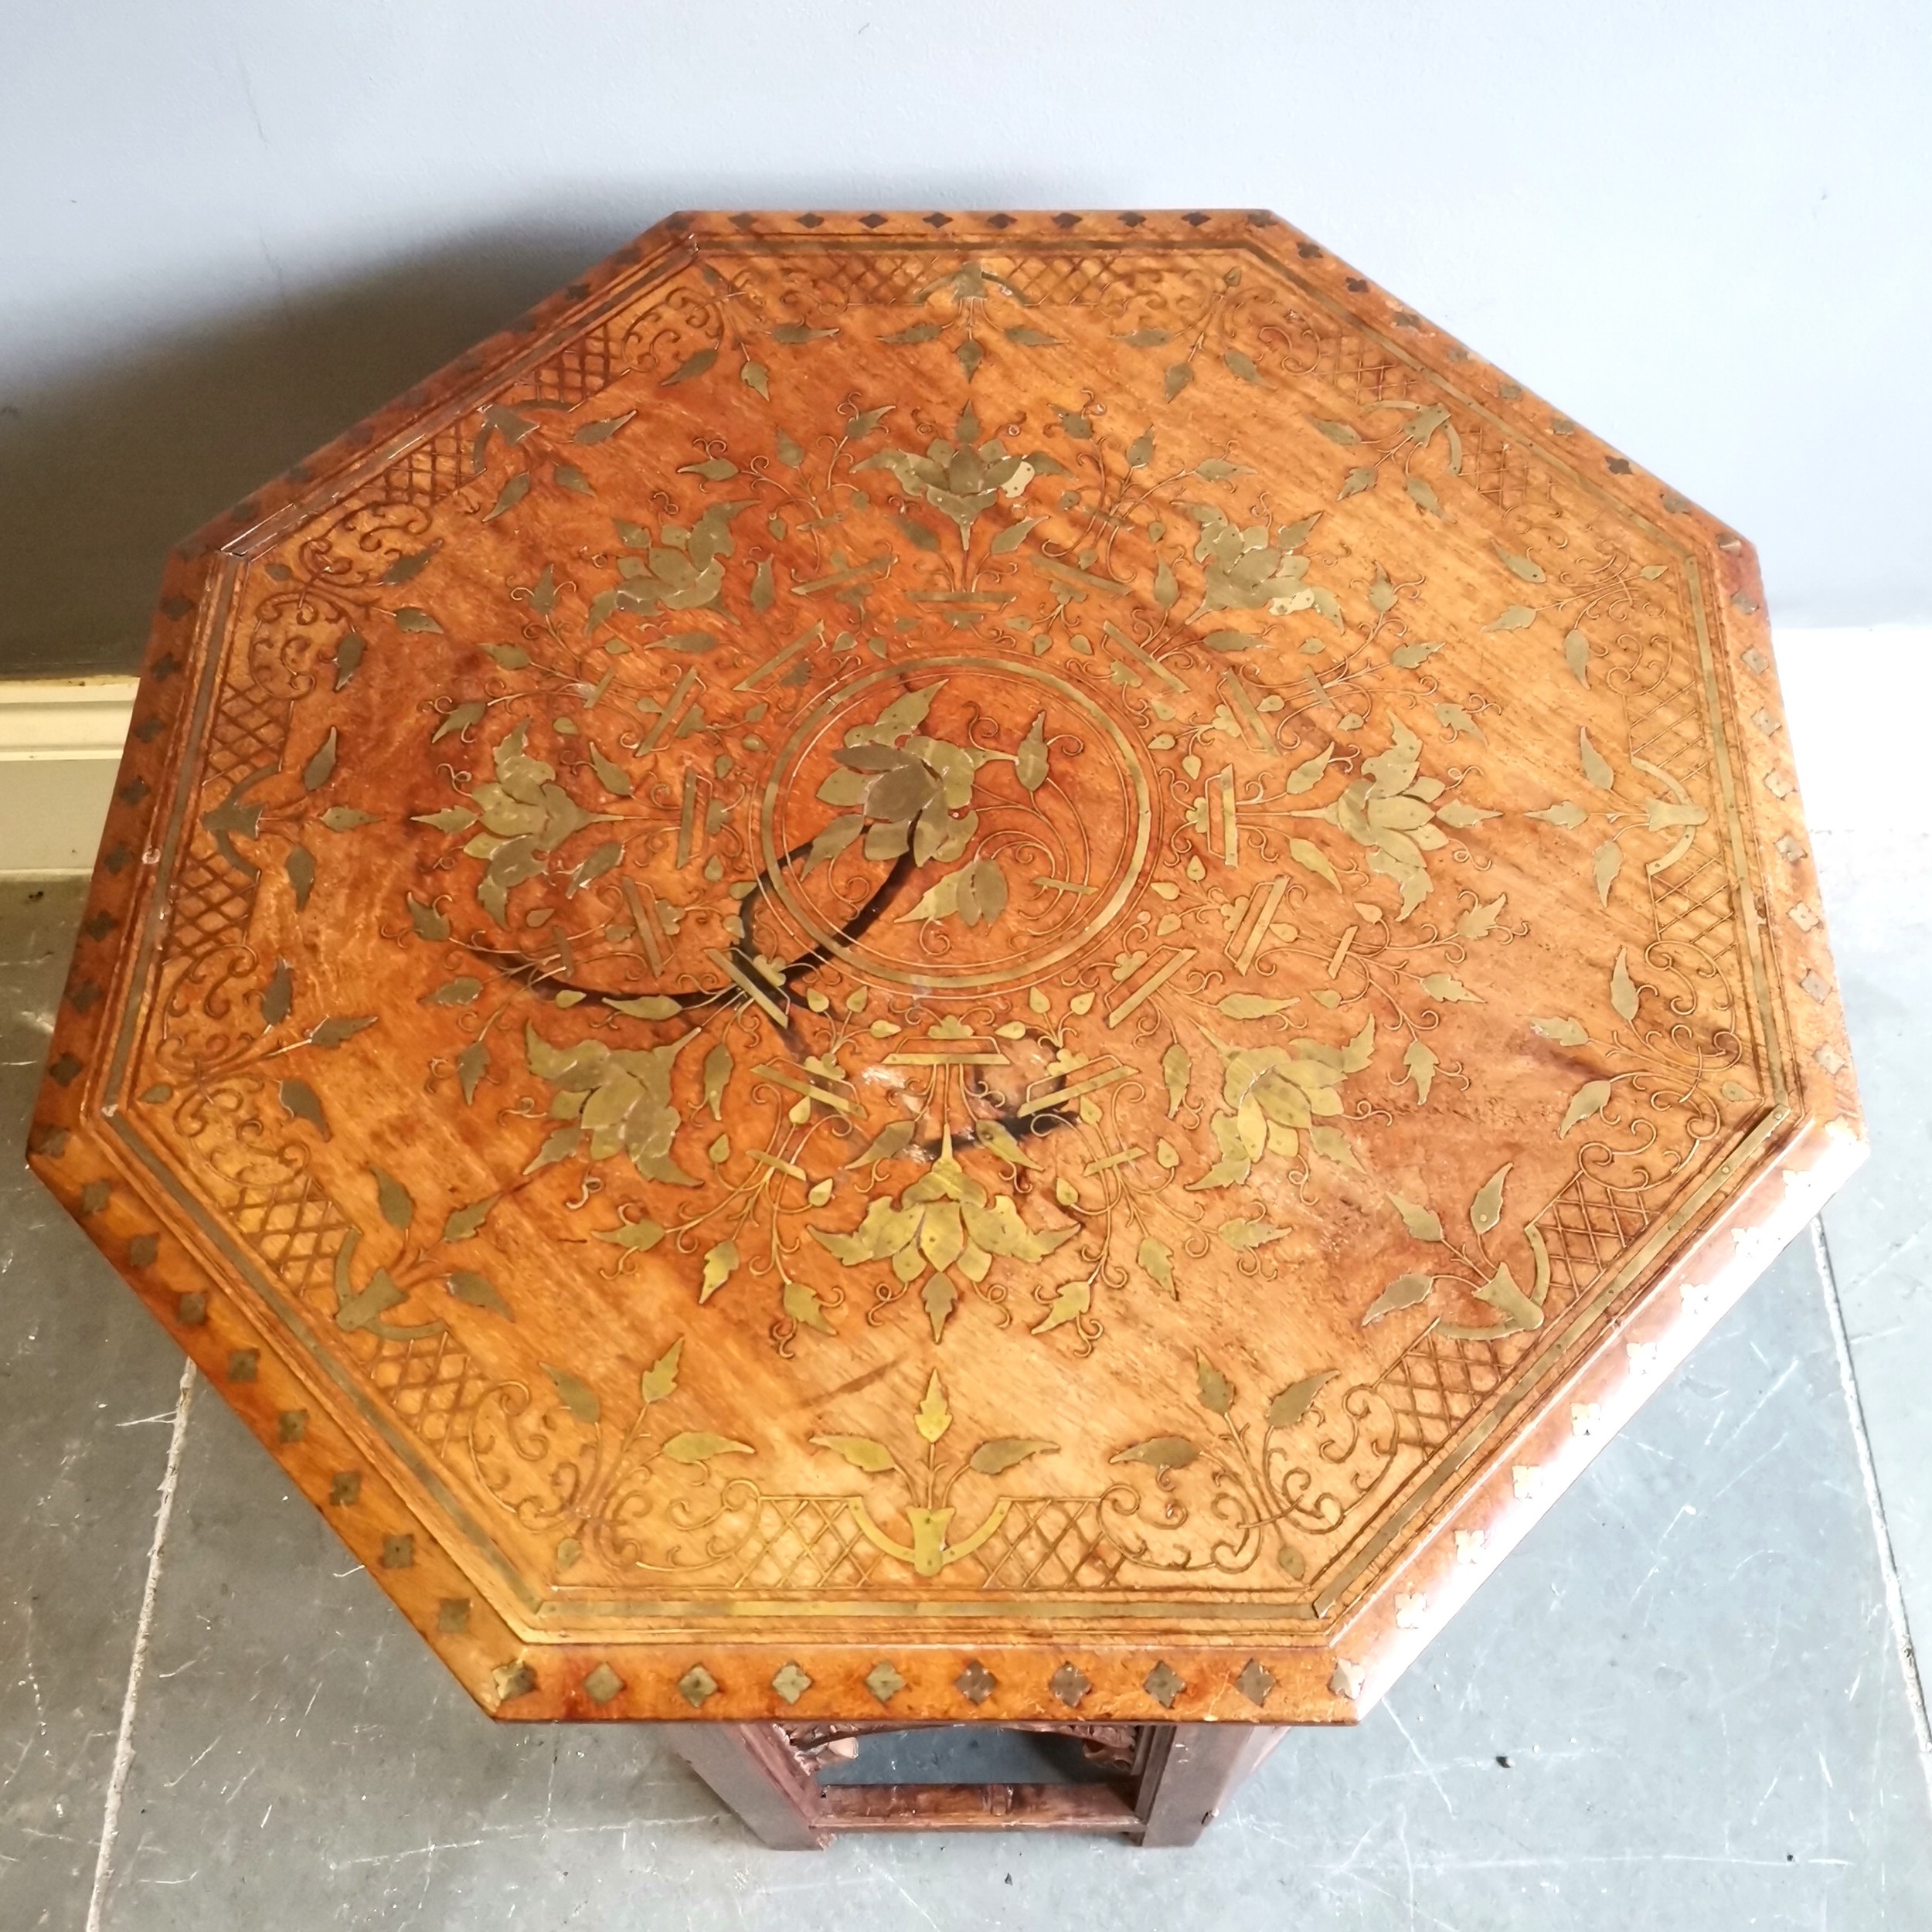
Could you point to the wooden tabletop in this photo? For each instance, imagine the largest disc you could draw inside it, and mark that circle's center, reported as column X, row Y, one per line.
column 950, row 967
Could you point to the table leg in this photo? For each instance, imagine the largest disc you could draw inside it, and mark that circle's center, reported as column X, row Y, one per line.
column 751, row 1767
column 1191, row 1771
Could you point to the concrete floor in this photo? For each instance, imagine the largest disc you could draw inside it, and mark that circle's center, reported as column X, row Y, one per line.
column 1687, row 1701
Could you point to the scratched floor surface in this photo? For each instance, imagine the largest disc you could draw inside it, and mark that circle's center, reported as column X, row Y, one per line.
column 1681, row 1704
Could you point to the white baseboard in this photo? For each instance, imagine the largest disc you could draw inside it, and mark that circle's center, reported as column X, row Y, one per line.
column 60, row 740
column 1854, row 700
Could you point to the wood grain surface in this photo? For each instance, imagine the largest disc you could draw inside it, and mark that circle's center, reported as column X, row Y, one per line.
column 951, row 966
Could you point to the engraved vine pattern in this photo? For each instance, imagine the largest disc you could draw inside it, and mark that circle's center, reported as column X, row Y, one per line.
column 941, row 864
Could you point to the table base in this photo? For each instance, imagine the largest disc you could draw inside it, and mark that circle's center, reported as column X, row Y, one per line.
column 1163, row 1783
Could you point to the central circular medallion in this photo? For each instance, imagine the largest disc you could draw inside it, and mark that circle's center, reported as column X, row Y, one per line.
column 959, row 822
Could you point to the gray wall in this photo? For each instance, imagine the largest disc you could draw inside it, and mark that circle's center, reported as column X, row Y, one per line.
column 228, row 228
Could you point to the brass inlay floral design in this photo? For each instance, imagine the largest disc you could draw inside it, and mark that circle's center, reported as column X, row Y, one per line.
column 932, row 1478
column 916, row 868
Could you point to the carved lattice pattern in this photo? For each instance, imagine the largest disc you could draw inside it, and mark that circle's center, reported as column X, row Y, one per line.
column 1586, row 1228
column 1049, row 1543
column 428, row 1382
column 1437, row 1384
column 803, row 1543
column 1056, row 282
column 297, row 1230
column 213, row 903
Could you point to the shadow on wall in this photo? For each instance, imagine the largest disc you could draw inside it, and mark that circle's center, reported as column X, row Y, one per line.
column 100, row 472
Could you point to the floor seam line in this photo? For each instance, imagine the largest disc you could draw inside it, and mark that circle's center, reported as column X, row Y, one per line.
column 1895, row 1610
column 123, row 1757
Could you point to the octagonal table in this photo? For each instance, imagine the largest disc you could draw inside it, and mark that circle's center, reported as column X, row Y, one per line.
column 939, row 969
